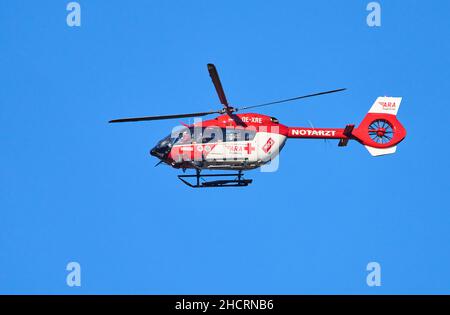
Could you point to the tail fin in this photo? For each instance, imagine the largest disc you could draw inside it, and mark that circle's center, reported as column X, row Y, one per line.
column 386, row 105
column 380, row 131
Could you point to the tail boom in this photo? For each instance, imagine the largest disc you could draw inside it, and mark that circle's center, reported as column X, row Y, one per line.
column 316, row 133
column 380, row 131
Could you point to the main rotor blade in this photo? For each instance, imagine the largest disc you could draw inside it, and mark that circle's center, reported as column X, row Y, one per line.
column 162, row 117
column 216, row 81
column 292, row 99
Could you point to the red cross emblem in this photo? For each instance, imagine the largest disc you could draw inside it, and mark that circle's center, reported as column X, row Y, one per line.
column 249, row 148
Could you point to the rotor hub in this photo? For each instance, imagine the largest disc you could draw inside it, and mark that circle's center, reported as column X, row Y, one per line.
column 381, row 132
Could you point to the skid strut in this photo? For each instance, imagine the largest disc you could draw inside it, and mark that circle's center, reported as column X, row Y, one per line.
column 230, row 180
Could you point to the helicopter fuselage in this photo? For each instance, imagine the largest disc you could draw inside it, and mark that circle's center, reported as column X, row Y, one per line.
column 238, row 142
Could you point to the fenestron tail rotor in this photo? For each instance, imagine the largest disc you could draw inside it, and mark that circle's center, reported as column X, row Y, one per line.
column 381, row 131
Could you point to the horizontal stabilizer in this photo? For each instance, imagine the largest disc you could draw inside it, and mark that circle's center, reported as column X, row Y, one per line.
column 343, row 142
column 347, row 132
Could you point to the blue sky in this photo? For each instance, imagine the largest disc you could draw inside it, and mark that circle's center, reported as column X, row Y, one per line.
column 73, row 188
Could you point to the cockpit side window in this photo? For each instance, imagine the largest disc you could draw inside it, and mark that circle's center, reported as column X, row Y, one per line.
column 212, row 135
column 184, row 137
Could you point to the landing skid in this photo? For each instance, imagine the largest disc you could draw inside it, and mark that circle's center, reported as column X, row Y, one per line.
column 236, row 180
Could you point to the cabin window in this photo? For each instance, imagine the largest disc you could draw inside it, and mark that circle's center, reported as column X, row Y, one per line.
column 240, row 135
column 213, row 134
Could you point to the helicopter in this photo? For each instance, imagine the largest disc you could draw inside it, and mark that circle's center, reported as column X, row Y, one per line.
column 245, row 141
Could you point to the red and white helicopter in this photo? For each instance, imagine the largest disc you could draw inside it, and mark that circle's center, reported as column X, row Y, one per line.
column 240, row 142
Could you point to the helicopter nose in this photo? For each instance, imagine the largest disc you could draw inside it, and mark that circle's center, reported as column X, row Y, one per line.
column 155, row 153
column 158, row 152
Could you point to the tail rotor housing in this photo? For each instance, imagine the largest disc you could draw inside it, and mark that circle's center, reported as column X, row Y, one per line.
column 381, row 131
